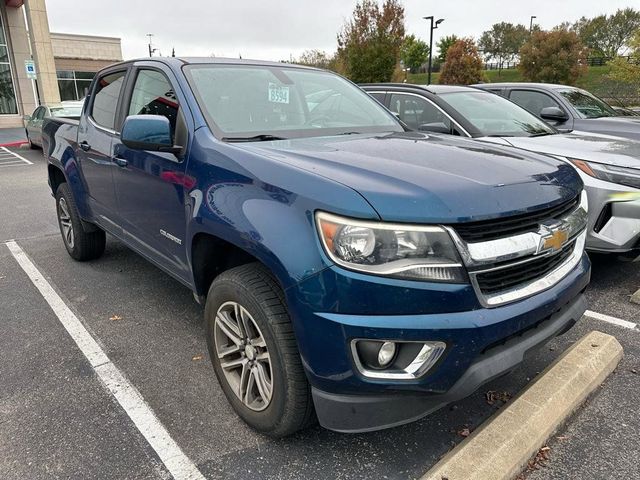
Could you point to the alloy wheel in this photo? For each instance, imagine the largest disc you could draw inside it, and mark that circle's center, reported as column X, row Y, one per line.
column 65, row 222
column 243, row 356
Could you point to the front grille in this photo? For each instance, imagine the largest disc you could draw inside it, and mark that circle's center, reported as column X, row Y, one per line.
column 505, row 227
column 507, row 278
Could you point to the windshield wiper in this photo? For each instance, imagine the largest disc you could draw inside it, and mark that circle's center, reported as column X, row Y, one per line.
column 264, row 137
column 541, row 134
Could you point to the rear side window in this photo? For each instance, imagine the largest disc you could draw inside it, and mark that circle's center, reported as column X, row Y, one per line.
column 106, row 99
column 416, row 111
column 532, row 101
column 153, row 95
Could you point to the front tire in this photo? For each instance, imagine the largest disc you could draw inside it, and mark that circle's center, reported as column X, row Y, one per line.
column 80, row 244
column 254, row 352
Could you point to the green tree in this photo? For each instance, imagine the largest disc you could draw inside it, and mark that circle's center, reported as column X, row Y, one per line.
column 463, row 65
column 413, row 52
column 503, row 42
column 369, row 43
column 315, row 58
column 607, row 35
column 443, row 46
column 557, row 56
column 627, row 73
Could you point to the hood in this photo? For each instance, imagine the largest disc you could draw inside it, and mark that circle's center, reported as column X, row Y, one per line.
column 627, row 127
column 584, row 146
column 414, row 177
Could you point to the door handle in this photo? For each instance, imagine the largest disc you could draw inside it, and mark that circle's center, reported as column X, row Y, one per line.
column 121, row 162
column 85, row 146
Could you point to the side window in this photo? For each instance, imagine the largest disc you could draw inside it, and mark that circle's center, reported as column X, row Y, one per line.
column 105, row 99
column 532, row 101
column 379, row 96
column 416, row 111
column 153, row 95
column 39, row 114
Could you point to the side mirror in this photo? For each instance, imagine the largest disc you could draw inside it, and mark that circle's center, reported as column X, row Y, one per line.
column 26, row 118
column 148, row 132
column 554, row 113
column 436, row 127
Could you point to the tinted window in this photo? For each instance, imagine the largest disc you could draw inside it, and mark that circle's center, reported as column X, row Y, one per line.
column 39, row 113
column 532, row 101
column 416, row 111
column 378, row 96
column 106, row 99
column 153, row 95
column 247, row 100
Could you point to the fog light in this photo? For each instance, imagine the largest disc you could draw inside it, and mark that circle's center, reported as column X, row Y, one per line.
column 386, row 353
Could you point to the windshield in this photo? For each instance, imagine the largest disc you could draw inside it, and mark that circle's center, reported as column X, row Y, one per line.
column 495, row 116
column 587, row 105
column 66, row 111
column 245, row 101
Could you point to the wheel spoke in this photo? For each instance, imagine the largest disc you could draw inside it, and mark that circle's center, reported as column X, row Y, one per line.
column 263, row 357
column 251, row 379
column 244, row 380
column 235, row 363
column 263, row 384
column 228, row 351
column 228, row 328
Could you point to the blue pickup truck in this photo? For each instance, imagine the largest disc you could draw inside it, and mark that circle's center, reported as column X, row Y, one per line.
column 351, row 271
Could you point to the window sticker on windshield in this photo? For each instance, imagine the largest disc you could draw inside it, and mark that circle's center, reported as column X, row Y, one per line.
column 278, row 94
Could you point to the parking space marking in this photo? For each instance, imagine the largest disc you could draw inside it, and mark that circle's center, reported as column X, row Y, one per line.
column 613, row 320
column 6, row 154
column 129, row 398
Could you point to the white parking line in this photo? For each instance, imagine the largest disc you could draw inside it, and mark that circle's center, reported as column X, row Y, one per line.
column 178, row 464
column 13, row 154
column 609, row 319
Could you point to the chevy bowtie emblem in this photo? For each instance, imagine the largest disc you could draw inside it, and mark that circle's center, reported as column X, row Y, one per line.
column 555, row 239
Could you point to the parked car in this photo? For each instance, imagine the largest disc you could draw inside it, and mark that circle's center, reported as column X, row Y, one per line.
column 345, row 264
column 609, row 166
column 33, row 122
column 568, row 108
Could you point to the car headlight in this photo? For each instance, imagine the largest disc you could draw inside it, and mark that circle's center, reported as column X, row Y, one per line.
column 610, row 173
column 411, row 252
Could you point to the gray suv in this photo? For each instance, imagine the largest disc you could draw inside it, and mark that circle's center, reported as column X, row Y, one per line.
column 568, row 108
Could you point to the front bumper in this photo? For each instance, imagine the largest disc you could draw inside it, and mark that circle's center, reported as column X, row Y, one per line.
column 358, row 413
column 482, row 343
column 614, row 224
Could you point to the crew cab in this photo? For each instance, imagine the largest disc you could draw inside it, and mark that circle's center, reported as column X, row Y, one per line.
column 350, row 270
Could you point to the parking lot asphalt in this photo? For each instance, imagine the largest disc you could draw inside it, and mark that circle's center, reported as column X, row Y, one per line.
column 58, row 421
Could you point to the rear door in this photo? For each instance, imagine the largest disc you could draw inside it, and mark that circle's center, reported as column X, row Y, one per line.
column 96, row 133
column 151, row 186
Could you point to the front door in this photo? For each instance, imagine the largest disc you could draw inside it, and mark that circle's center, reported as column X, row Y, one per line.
column 95, row 137
column 151, row 186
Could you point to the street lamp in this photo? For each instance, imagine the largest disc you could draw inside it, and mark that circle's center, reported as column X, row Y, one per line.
column 531, row 24
column 433, row 27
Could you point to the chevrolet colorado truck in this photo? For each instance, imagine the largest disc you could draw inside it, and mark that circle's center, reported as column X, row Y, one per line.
column 351, row 271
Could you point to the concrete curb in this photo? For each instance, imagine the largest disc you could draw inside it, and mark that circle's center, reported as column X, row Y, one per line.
column 503, row 445
column 14, row 144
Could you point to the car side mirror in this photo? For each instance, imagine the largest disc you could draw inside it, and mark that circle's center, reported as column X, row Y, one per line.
column 26, row 118
column 148, row 132
column 436, row 127
column 554, row 113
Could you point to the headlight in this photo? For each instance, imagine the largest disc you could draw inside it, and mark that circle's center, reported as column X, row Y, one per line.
column 401, row 251
column 610, row 173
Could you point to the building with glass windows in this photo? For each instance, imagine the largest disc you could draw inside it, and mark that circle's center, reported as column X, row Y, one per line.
column 65, row 63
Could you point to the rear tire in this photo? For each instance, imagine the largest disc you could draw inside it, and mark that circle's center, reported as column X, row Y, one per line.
column 32, row 146
column 80, row 244
column 254, row 351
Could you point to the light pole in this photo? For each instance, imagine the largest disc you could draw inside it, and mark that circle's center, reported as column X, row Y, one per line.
column 531, row 24
column 431, row 29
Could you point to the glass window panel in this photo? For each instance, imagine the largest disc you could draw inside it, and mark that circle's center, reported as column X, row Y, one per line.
column 7, row 95
column 67, row 90
column 64, row 74
column 153, row 95
column 3, row 40
column 85, row 75
column 83, row 88
column 532, row 101
column 106, row 99
column 416, row 111
column 4, row 54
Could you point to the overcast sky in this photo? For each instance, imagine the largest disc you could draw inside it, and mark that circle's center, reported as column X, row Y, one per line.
column 276, row 29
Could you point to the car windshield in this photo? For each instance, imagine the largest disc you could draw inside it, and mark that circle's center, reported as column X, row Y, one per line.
column 246, row 102
column 66, row 111
column 587, row 105
column 495, row 116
